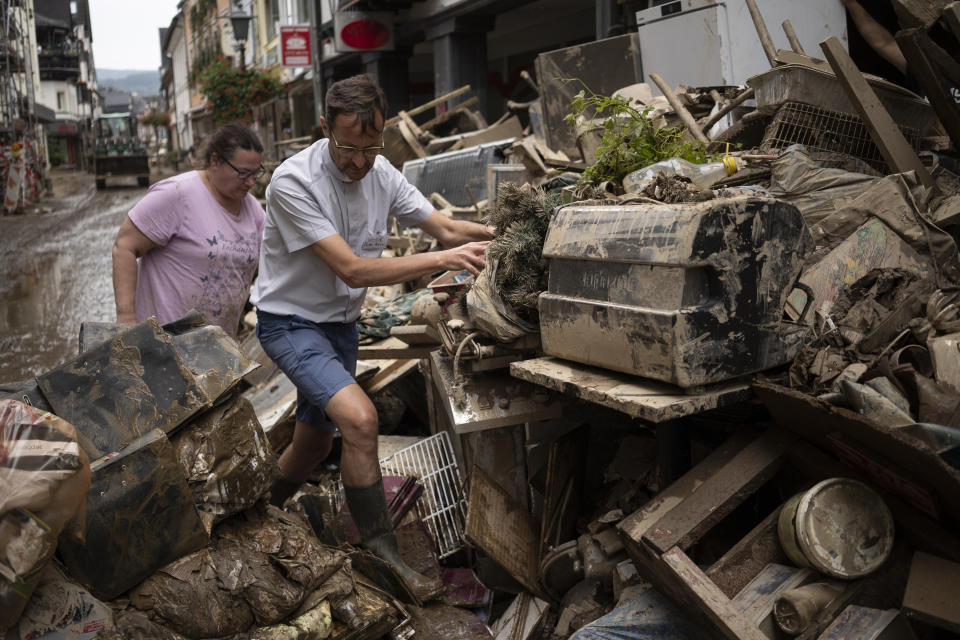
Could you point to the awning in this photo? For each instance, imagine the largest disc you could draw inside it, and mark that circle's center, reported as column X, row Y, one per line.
column 44, row 114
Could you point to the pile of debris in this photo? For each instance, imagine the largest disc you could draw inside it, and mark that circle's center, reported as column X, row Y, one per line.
column 570, row 440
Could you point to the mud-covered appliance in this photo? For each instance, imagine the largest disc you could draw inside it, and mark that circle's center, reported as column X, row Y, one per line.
column 689, row 294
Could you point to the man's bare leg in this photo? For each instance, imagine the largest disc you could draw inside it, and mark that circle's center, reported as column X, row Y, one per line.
column 356, row 418
column 310, row 447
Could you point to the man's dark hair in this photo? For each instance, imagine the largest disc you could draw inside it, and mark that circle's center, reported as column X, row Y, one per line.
column 359, row 96
column 226, row 140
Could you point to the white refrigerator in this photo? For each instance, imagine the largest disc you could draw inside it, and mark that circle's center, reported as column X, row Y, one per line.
column 710, row 43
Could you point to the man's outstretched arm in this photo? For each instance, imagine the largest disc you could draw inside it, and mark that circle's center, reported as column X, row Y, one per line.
column 453, row 233
column 360, row 272
column 876, row 35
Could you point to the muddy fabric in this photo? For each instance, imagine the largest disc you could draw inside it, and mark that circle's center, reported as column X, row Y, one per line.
column 815, row 189
column 204, row 581
column 288, row 541
column 642, row 613
column 891, row 201
column 227, row 459
column 376, row 321
column 133, row 625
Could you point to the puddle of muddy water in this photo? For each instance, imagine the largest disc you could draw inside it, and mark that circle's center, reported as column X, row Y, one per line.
column 57, row 270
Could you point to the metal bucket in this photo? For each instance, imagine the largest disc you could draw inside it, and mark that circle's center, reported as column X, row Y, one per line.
column 840, row 527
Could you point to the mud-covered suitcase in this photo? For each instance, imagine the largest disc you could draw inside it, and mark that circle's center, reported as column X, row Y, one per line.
column 120, row 389
column 140, row 516
column 689, row 294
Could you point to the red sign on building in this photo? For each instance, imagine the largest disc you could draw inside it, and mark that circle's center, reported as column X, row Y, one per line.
column 295, row 46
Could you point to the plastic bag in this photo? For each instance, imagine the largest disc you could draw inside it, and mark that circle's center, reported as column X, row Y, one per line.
column 44, row 477
column 702, row 176
column 489, row 313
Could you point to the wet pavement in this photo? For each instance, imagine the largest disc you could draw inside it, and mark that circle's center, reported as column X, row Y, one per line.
column 57, row 273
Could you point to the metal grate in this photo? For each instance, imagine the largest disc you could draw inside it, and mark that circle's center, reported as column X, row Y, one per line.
column 442, row 507
column 451, row 174
column 824, row 130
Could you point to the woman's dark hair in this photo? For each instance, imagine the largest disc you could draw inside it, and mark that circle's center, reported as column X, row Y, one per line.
column 226, row 140
column 359, row 96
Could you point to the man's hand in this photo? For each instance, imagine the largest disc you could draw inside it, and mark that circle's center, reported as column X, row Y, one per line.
column 469, row 256
column 127, row 318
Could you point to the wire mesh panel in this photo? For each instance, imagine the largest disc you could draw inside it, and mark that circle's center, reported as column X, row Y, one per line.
column 442, row 507
column 824, row 130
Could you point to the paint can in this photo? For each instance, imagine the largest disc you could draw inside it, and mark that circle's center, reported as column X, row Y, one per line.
column 839, row 527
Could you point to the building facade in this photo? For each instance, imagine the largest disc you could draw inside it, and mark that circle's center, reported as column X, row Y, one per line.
column 68, row 83
column 434, row 46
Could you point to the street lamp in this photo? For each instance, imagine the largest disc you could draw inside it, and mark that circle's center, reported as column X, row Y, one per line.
column 240, row 20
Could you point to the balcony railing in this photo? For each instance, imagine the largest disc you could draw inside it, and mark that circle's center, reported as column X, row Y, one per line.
column 62, row 63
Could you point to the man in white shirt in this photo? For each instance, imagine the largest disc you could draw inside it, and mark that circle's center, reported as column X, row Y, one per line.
column 327, row 210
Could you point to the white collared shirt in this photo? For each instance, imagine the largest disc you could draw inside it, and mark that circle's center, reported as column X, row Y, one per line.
column 310, row 199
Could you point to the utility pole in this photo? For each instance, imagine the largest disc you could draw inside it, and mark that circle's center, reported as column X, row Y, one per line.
column 315, row 15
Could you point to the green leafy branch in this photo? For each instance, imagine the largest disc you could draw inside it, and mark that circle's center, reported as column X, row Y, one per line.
column 630, row 141
column 232, row 92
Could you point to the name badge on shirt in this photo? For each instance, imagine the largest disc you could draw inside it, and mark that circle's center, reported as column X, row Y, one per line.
column 375, row 241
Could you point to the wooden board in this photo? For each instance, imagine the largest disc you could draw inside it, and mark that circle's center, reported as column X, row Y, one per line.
column 637, row 397
column 416, row 335
column 635, row 526
column 389, row 373
column 680, row 578
column 720, row 494
column 893, row 146
column 393, row 349
column 481, row 398
column 503, row 529
column 933, row 591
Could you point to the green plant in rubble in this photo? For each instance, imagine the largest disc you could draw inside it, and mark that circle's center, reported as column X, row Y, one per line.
column 629, row 140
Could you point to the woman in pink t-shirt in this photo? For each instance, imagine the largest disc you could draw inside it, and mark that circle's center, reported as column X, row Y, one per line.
column 193, row 242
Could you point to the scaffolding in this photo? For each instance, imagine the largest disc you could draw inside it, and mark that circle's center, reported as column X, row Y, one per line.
column 21, row 158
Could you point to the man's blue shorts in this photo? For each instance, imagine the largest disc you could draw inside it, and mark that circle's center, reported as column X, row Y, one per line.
column 319, row 358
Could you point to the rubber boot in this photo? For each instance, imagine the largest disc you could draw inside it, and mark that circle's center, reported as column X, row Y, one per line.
column 368, row 506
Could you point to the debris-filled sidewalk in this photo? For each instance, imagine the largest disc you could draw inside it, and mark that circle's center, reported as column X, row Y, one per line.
column 707, row 385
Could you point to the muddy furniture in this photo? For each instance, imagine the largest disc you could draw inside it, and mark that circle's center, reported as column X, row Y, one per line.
column 689, row 294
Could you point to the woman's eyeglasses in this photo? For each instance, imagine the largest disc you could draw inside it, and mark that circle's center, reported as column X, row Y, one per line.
column 246, row 174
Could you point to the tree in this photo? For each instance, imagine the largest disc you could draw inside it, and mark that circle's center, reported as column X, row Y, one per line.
column 232, row 93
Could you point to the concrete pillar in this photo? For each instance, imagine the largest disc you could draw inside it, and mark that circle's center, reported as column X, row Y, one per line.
column 608, row 17
column 460, row 56
column 390, row 70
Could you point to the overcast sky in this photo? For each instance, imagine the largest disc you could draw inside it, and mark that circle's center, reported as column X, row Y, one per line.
column 125, row 32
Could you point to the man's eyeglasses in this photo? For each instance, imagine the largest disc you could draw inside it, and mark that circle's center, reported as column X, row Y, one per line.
column 369, row 152
column 246, row 174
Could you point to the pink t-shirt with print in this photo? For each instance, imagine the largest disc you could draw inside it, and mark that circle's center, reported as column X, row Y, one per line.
column 206, row 257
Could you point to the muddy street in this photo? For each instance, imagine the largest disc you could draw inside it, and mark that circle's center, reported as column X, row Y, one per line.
column 57, row 272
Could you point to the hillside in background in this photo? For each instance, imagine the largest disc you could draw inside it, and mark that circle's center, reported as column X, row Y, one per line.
column 146, row 83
